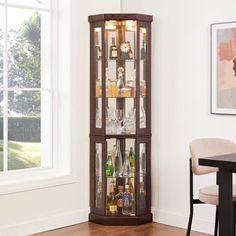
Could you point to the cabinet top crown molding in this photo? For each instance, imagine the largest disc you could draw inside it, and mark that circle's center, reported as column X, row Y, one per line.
column 120, row 16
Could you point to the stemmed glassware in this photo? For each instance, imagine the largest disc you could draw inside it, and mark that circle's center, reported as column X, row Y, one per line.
column 118, row 123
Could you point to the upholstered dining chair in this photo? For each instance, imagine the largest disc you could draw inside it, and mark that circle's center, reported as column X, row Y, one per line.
column 201, row 148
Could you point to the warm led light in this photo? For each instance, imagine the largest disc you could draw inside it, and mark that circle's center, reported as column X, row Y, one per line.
column 130, row 25
column 143, row 30
column 111, row 25
column 97, row 29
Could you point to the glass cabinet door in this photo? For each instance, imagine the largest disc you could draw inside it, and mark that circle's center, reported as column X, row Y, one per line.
column 120, row 177
column 98, row 175
column 97, row 55
column 142, row 78
column 142, row 175
column 120, row 76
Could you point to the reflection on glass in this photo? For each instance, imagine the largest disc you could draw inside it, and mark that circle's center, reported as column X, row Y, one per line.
column 98, row 168
column 143, row 77
column 24, row 129
column 120, row 173
column 142, row 114
column 98, row 74
column 32, row 3
column 142, row 160
column 142, row 175
column 1, row 44
column 1, row 131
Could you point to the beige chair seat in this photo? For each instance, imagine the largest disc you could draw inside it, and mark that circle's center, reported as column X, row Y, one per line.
column 210, row 194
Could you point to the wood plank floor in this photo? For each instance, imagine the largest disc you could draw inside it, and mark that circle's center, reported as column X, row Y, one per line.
column 90, row 229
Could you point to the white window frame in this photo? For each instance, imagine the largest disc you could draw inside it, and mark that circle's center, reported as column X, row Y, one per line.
column 63, row 168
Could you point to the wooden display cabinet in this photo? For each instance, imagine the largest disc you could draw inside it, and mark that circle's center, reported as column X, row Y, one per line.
column 120, row 119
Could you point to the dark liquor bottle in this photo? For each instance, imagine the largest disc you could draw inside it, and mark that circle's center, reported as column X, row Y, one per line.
column 131, row 55
column 143, row 51
column 113, row 49
column 119, row 197
column 111, row 201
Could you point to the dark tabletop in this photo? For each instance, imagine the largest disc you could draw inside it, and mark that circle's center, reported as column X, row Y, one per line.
column 227, row 161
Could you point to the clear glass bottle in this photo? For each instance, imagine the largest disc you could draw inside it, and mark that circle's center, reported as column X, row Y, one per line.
column 118, row 160
column 127, row 205
column 132, row 205
column 126, row 169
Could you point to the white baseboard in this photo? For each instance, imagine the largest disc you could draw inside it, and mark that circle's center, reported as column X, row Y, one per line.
column 46, row 223
column 79, row 216
column 173, row 219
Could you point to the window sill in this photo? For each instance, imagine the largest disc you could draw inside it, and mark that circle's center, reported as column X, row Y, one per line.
column 31, row 180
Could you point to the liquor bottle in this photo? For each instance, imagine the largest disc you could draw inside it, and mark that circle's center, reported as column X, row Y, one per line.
column 131, row 186
column 109, row 166
column 132, row 205
column 132, row 161
column 127, row 207
column 118, row 160
column 142, row 162
column 142, row 196
column 119, row 197
column 143, row 52
column 111, row 201
column 113, row 49
column 126, row 170
column 98, row 163
column 99, row 195
column 131, row 55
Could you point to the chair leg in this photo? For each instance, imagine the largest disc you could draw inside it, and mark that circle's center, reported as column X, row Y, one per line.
column 234, row 218
column 190, row 221
column 216, row 221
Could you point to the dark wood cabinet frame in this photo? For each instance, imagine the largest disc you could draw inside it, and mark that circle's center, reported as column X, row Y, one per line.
column 98, row 135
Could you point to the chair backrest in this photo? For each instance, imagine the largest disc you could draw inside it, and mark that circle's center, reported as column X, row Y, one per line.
column 207, row 147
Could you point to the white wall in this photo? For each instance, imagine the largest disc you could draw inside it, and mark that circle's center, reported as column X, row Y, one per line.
column 32, row 211
column 181, row 93
column 180, row 113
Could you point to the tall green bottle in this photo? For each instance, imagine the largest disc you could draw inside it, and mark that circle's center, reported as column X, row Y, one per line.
column 109, row 166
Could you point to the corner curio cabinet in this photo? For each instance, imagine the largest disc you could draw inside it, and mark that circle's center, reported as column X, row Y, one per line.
column 120, row 119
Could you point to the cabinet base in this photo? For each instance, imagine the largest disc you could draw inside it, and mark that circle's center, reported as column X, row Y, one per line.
column 120, row 220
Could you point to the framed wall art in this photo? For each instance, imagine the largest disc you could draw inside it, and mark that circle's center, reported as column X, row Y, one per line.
column 223, row 68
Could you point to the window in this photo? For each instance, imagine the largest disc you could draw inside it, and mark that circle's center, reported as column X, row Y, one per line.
column 29, row 88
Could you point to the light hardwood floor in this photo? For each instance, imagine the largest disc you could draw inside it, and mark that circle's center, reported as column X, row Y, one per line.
column 90, row 229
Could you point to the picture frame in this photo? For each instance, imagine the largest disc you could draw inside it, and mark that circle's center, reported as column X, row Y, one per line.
column 223, row 68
